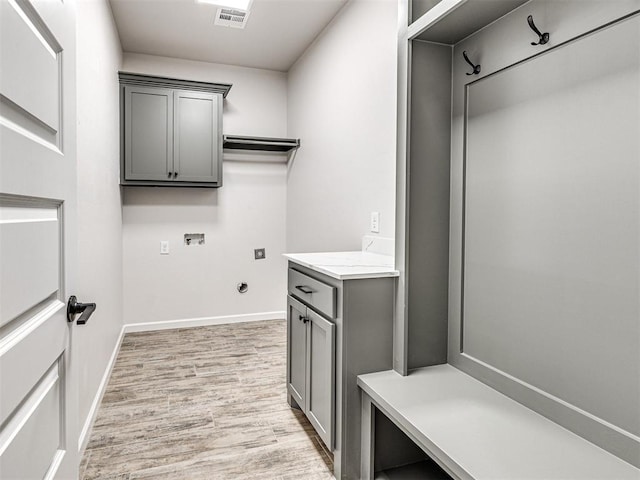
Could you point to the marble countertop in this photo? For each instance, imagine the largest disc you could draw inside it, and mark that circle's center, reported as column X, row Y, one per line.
column 347, row 265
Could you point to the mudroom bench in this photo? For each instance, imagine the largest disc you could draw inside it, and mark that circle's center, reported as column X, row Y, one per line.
column 474, row 432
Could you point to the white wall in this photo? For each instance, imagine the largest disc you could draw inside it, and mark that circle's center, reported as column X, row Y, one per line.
column 342, row 104
column 99, row 259
column 247, row 212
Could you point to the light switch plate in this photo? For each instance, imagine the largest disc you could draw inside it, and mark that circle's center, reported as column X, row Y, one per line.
column 164, row 247
column 375, row 222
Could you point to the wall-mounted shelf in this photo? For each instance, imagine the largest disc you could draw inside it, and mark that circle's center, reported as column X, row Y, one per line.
column 265, row 144
column 450, row 21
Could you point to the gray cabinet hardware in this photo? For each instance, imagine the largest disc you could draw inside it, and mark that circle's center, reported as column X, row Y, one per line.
column 304, row 289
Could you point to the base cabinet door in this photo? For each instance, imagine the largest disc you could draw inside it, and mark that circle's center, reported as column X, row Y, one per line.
column 311, row 367
column 297, row 351
column 320, row 408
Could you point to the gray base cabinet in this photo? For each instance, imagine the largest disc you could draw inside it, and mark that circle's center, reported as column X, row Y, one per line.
column 336, row 330
column 171, row 133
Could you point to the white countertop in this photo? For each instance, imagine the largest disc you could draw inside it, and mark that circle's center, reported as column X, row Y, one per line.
column 347, row 265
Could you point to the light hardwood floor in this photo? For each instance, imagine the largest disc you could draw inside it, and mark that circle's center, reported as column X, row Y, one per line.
column 203, row 403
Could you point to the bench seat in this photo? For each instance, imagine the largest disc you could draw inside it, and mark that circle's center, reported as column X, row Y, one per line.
column 474, row 432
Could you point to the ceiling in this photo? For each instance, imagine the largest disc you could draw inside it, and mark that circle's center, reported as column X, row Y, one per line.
column 276, row 34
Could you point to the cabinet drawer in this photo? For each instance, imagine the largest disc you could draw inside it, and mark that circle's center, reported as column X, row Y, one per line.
column 313, row 292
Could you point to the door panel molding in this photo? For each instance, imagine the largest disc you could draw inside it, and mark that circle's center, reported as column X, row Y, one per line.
column 30, row 347
column 24, row 443
column 31, row 81
column 30, row 233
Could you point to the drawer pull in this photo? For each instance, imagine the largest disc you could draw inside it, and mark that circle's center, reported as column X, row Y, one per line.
column 304, row 289
column 315, row 293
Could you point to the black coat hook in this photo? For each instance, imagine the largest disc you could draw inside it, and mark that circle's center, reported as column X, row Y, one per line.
column 476, row 68
column 543, row 37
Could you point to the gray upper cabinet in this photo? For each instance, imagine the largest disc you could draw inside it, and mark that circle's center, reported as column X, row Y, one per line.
column 171, row 132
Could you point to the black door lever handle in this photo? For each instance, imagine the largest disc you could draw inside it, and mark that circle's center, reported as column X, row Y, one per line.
column 74, row 307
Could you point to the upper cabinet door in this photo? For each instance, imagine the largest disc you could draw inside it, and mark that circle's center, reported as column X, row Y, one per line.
column 197, row 137
column 148, row 132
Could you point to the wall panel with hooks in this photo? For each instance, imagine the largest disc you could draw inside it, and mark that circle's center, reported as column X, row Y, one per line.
column 432, row 138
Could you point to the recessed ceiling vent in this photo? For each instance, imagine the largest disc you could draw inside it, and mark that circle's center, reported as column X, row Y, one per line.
column 229, row 17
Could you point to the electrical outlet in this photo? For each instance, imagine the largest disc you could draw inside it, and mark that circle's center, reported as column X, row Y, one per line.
column 375, row 222
column 259, row 253
column 164, row 247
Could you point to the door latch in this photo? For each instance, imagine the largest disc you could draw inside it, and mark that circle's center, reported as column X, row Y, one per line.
column 74, row 307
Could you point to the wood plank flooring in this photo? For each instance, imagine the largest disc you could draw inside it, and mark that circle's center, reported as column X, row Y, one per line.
column 203, row 403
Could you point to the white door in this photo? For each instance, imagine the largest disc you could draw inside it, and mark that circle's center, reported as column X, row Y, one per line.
column 38, row 396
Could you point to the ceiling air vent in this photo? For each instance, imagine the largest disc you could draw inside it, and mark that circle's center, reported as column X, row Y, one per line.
column 229, row 17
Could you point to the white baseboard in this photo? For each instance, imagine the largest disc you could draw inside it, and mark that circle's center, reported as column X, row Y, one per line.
column 85, row 433
column 203, row 321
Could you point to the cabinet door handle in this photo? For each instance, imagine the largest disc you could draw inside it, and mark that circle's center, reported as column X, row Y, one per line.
column 304, row 289
column 303, row 319
column 169, row 174
column 175, row 174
